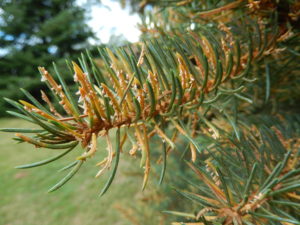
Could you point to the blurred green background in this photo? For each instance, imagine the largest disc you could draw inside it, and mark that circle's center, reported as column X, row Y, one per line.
column 36, row 33
column 24, row 199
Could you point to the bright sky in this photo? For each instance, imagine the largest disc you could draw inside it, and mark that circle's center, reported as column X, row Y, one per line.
column 109, row 18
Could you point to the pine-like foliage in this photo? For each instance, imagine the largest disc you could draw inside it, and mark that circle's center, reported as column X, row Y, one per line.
column 213, row 72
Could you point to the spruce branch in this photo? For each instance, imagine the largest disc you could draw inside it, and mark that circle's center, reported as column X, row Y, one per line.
column 230, row 196
column 125, row 90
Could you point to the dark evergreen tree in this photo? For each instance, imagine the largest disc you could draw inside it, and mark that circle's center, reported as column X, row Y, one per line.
column 35, row 33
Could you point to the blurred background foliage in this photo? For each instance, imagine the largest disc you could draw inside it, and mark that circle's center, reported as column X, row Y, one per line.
column 35, row 33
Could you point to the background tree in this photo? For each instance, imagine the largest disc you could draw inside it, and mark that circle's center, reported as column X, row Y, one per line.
column 35, row 33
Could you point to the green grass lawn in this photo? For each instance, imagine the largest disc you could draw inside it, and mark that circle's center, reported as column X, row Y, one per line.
column 24, row 199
